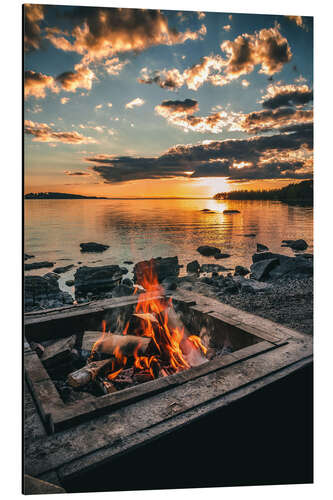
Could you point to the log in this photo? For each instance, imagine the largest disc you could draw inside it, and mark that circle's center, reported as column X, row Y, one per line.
column 38, row 348
column 146, row 317
column 127, row 344
column 88, row 373
column 59, row 351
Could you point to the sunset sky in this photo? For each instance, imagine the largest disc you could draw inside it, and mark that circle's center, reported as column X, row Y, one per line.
column 125, row 102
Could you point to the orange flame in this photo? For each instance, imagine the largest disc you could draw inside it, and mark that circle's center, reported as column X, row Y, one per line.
column 168, row 339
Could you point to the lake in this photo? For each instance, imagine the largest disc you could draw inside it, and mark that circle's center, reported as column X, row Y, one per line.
column 145, row 228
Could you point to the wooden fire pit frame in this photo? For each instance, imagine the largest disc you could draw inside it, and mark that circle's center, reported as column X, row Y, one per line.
column 58, row 415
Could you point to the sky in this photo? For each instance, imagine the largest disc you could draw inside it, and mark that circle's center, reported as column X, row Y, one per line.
column 137, row 103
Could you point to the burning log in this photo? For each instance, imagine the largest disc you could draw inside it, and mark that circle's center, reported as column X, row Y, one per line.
column 58, row 352
column 88, row 373
column 127, row 345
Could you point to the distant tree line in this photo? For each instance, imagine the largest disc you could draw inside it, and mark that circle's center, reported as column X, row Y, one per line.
column 60, row 196
column 302, row 191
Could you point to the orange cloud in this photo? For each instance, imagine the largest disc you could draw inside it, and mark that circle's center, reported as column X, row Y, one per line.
column 33, row 15
column 298, row 20
column 82, row 77
column 135, row 103
column 287, row 95
column 42, row 132
column 35, row 84
column 267, row 49
column 103, row 33
column 180, row 113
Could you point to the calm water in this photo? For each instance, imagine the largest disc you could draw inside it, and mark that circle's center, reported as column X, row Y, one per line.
column 141, row 229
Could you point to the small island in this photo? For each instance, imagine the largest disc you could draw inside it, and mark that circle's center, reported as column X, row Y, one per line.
column 301, row 192
column 61, row 196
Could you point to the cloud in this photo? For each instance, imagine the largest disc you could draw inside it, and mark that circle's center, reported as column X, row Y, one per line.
column 245, row 83
column 227, row 27
column 166, row 79
column 77, row 173
column 180, row 113
column 33, row 15
column 268, row 120
column 135, row 103
column 114, row 66
column 64, row 100
column 100, row 33
column 281, row 156
column 42, row 132
column 267, row 49
column 35, row 84
column 298, row 20
column 82, row 77
column 201, row 15
column 287, row 95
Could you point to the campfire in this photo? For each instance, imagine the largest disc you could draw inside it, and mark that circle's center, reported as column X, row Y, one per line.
column 153, row 343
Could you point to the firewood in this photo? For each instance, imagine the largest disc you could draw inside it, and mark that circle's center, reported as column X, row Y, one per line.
column 82, row 377
column 127, row 345
column 146, row 317
column 142, row 377
column 58, row 352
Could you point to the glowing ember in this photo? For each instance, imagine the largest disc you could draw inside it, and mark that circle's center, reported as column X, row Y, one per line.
column 166, row 347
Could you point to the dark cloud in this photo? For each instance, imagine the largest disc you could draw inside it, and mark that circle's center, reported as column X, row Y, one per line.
column 33, row 15
column 285, row 155
column 287, row 95
column 270, row 119
column 188, row 106
column 76, row 173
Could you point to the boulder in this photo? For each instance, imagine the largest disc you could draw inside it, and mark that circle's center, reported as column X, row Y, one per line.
column 295, row 267
column 222, row 256
column 295, row 244
column 38, row 265
column 170, row 283
column 231, row 211
column 128, row 262
column 241, row 271
column 257, row 257
column 193, row 267
column 27, row 256
column 208, row 251
column 162, row 267
column 210, row 268
column 97, row 279
column 261, row 248
column 69, row 282
column 260, row 270
column 44, row 291
column 93, row 247
column 60, row 270
column 208, row 211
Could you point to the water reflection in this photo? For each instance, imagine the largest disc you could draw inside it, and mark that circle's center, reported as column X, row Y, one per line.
column 141, row 229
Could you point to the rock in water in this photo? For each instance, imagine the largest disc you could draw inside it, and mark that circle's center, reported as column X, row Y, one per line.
column 219, row 256
column 60, row 270
column 38, row 265
column 295, row 244
column 241, row 271
column 163, row 267
column 27, row 256
column 261, row 248
column 93, row 247
column 208, row 251
column 193, row 267
column 260, row 270
column 97, row 279
column 231, row 211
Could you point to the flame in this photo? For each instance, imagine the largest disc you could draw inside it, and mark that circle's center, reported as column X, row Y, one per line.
column 173, row 347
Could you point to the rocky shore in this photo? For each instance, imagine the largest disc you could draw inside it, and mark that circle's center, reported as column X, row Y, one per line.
column 276, row 286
